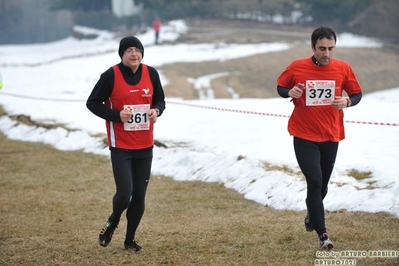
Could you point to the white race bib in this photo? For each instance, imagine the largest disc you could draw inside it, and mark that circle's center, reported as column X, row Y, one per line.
column 139, row 119
column 319, row 92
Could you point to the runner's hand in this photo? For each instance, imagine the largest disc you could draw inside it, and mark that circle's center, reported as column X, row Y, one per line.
column 295, row 92
column 125, row 115
column 339, row 102
column 153, row 115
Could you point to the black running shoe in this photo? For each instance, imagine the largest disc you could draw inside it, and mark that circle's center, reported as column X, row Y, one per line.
column 134, row 246
column 325, row 242
column 308, row 223
column 106, row 233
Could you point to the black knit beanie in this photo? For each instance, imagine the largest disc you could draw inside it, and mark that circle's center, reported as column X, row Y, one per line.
column 130, row 41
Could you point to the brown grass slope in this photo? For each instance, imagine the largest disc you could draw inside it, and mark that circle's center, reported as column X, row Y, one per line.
column 54, row 203
column 255, row 76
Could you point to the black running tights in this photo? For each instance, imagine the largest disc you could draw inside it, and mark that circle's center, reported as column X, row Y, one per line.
column 316, row 160
column 132, row 171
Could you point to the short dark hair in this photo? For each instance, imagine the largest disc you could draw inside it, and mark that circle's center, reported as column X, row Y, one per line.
column 323, row 32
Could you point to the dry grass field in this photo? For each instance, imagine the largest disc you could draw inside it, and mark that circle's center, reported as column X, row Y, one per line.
column 54, row 203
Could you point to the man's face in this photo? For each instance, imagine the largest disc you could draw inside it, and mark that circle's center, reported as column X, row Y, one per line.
column 132, row 58
column 323, row 51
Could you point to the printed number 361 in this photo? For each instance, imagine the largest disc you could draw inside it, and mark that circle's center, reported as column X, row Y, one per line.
column 138, row 118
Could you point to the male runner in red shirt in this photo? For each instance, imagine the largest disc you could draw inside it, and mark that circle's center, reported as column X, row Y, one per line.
column 315, row 85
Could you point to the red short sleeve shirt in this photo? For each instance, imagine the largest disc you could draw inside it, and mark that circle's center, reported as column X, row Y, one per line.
column 317, row 120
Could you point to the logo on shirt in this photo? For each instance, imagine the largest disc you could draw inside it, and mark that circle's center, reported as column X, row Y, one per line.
column 145, row 91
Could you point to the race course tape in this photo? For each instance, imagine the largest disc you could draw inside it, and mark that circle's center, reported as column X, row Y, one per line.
column 275, row 115
column 204, row 107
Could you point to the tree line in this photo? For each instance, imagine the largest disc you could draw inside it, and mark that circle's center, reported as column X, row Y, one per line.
column 340, row 11
column 23, row 21
column 372, row 18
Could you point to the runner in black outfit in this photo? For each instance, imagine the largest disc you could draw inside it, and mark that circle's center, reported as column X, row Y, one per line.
column 130, row 97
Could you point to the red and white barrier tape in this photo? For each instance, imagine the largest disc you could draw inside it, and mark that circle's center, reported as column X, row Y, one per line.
column 274, row 115
column 207, row 107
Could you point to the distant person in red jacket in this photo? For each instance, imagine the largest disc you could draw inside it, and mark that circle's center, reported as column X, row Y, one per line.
column 156, row 24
